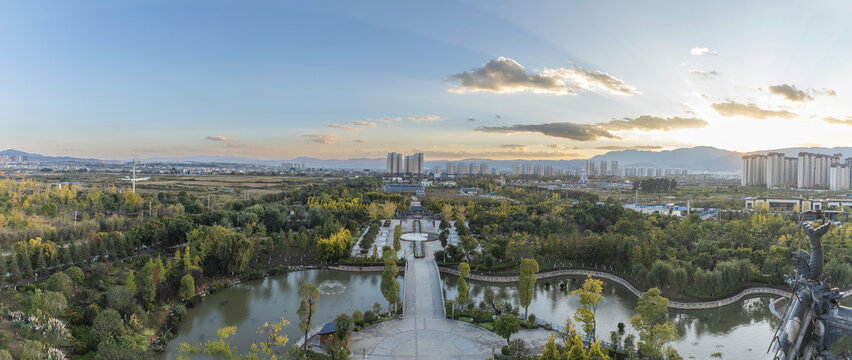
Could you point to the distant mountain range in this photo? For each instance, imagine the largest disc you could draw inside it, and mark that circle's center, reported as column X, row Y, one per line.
column 700, row 158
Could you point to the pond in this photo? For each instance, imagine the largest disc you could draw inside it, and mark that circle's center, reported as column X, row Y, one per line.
column 739, row 331
column 248, row 305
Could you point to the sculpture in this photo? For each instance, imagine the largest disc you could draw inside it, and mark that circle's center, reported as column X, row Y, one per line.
column 813, row 320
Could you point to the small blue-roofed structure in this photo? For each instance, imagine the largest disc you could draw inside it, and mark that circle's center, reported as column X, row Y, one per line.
column 327, row 332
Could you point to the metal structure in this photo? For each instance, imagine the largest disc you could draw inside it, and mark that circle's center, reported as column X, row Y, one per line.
column 133, row 179
column 812, row 320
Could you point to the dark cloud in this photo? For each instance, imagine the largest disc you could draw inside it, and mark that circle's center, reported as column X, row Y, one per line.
column 322, row 138
column 649, row 123
column 634, row 147
column 470, row 118
column 217, row 138
column 836, row 121
column 497, row 116
column 790, row 92
column 505, row 75
column 583, row 132
column 731, row 108
column 565, row 130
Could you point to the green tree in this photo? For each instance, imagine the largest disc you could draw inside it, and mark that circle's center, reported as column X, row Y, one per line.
column 76, row 274
column 390, row 286
column 120, row 298
column 344, row 324
column 680, row 278
column 310, row 296
column 468, row 244
column 61, row 283
column 655, row 333
column 550, row 351
column 589, row 298
column 130, row 281
column 107, row 325
column 147, row 282
column 506, row 325
column 526, row 283
column 462, row 286
column 397, row 235
column 187, row 287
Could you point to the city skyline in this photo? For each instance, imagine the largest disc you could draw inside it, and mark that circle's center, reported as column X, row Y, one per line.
column 453, row 81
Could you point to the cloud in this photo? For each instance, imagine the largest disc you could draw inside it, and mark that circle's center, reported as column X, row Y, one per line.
column 322, row 138
column 583, row 132
column 344, row 127
column 364, row 123
column 790, row 92
column 634, row 147
column 513, row 146
column 386, row 120
column 218, row 138
column 703, row 75
column 497, row 116
column 565, row 130
column 505, row 75
column 470, row 118
column 649, row 123
column 836, row 121
column 361, row 141
column 731, row 108
column 425, row 118
column 698, row 51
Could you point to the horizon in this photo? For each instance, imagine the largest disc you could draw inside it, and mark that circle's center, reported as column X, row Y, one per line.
column 500, row 81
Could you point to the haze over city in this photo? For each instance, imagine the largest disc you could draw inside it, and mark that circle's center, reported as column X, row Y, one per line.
column 500, row 80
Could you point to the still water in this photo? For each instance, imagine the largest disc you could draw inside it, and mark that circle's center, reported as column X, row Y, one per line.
column 248, row 305
column 739, row 331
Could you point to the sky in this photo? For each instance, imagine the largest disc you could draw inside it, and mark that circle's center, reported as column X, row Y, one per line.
column 451, row 79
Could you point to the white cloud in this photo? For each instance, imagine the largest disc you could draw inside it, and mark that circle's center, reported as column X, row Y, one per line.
column 322, row 138
column 425, row 118
column 217, row 138
column 364, row 123
column 698, row 51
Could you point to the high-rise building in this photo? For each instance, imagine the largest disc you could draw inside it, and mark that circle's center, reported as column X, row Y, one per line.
column 414, row 164
column 813, row 170
column 839, row 177
column 754, row 170
column 590, row 168
column 394, row 166
column 603, row 168
column 780, row 170
column 613, row 168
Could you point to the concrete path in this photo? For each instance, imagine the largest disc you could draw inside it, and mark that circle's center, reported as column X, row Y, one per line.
column 424, row 332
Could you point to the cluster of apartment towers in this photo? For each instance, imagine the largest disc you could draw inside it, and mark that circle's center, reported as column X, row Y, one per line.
column 411, row 165
column 807, row 171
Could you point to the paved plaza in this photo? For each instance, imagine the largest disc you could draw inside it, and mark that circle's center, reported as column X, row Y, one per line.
column 424, row 332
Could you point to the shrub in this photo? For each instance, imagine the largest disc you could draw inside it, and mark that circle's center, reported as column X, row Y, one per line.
column 369, row 316
column 531, row 318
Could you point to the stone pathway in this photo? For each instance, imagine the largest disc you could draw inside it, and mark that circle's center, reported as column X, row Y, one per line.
column 424, row 332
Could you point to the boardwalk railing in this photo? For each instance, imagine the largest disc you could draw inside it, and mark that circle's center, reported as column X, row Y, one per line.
column 626, row 284
column 441, row 281
column 311, row 334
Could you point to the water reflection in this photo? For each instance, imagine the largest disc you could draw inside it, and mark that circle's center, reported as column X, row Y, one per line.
column 741, row 330
column 249, row 304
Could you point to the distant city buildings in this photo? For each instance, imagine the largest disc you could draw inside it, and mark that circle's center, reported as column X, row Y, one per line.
column 461, row 168
column 292, row 166
column 807, row 171
column 409, row 164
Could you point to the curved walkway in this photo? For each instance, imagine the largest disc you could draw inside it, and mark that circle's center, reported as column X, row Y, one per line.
column 626, row 284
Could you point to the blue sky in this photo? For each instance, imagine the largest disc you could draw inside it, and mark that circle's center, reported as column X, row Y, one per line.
column 277, row 80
